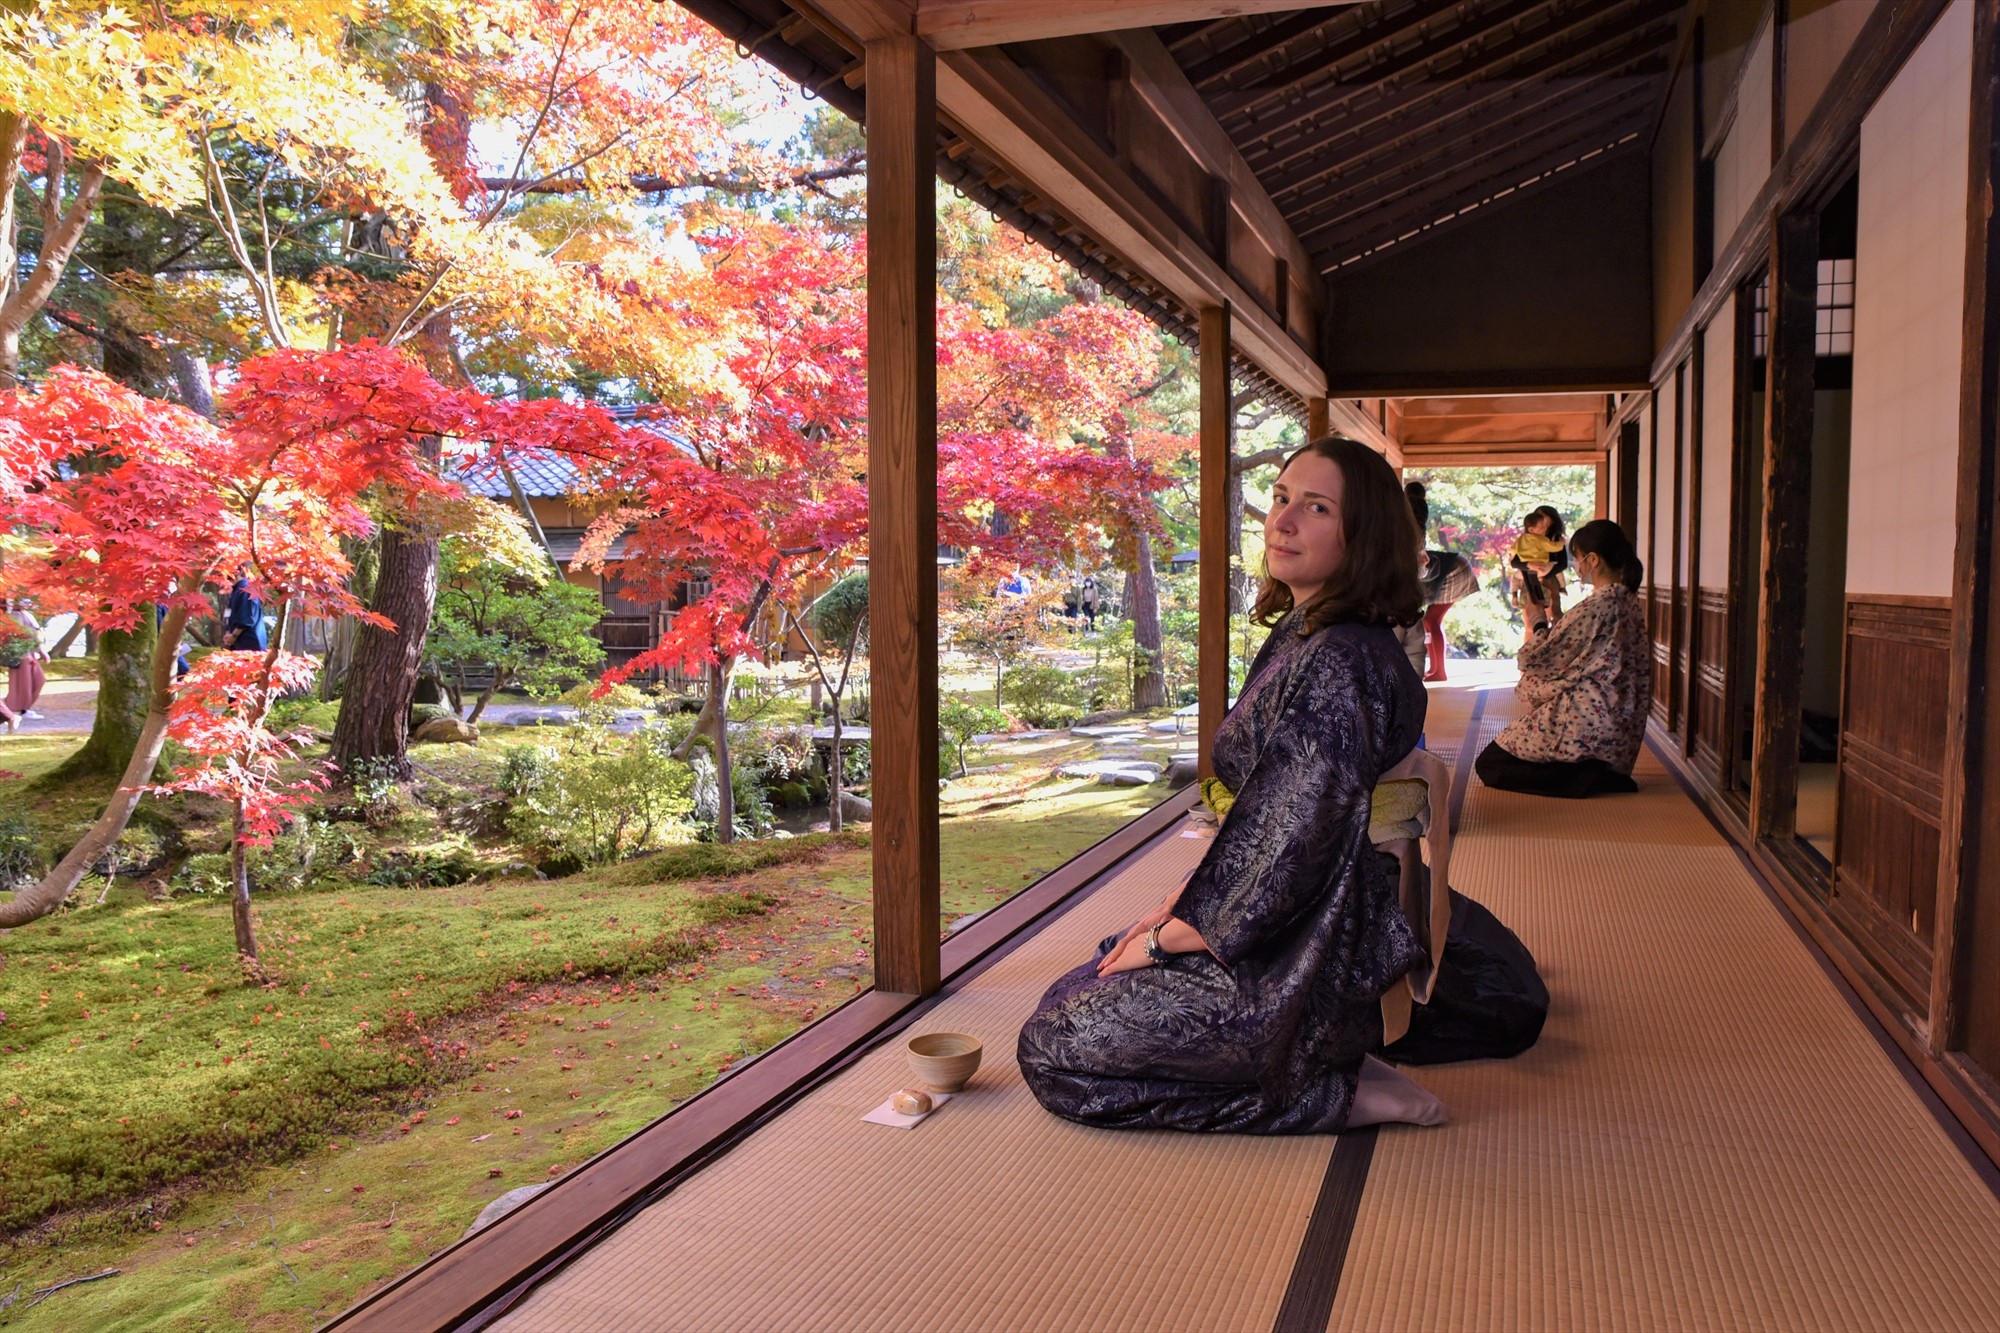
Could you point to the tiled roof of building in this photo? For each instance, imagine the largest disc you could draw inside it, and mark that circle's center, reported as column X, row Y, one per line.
column 542, row 475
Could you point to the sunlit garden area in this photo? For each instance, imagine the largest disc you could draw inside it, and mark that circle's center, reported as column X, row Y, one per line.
column 433, row 466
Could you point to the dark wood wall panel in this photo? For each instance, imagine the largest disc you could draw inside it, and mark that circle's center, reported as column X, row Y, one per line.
column 1660, row 627
column 1891, row 801
column 1711, row 674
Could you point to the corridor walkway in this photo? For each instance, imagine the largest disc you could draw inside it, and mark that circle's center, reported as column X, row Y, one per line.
column 1706, row 1137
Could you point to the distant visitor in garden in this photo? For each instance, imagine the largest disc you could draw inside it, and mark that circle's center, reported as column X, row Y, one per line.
column 243, row 623
column 1248, row 1000
column 1587, row 684
column 22, row 654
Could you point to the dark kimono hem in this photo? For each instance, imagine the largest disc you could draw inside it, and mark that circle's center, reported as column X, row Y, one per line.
column 1574, row 780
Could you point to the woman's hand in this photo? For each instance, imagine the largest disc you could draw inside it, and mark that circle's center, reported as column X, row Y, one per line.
column 1176, row 936
column 1133, row 940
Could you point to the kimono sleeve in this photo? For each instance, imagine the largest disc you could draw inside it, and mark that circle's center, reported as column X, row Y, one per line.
column 1299, row 826
column 1558, row 654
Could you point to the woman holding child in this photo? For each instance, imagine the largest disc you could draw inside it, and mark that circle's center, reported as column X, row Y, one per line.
column 1248, row 1000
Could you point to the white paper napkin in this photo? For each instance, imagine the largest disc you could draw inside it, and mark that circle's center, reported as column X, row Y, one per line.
column 887, row 1114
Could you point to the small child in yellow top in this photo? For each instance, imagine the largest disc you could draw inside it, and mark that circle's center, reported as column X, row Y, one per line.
column 1542, row 542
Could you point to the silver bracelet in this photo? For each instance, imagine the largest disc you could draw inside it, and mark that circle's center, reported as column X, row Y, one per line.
column 1153, row 949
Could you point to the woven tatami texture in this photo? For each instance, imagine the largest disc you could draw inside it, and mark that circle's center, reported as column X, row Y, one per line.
column 991, row 1215
column 1706, row 1137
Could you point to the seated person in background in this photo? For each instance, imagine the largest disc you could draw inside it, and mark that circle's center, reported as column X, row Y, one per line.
column 1587, row 684
column 1539, row 555
column 1248, row 1000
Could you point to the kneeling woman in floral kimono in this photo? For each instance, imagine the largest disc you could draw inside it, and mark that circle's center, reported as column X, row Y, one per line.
column 1249, row 999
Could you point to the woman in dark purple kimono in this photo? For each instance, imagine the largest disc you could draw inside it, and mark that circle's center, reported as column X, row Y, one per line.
column 1248, row 1001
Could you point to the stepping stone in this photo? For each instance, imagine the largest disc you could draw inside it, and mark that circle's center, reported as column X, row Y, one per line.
column 1113, row 772
column 1165, row 725
column 1095, row 733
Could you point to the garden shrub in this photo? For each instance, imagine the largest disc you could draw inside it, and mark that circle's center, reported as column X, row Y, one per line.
column 709, row 860
column 619, row 698
column 20, row 849
column 425, row 867
column 602, row 796
column 1036, row 691
column 958, row 722
column 752, row 809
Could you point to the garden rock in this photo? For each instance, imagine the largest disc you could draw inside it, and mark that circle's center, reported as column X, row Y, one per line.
column 504, row 1205
column 1165, row 725
column 858, row 808
column 1096, row 733
column 1113, row 772
column 1183, row 768
column 445, row 730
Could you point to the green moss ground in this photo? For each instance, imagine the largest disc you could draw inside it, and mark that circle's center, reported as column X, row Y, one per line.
column 258, row 1157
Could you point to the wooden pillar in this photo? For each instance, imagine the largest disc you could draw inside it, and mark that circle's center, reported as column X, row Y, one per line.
column 902, row 508
column 1691, row 624
column 1603, row 508
column 1969, row 852
column 1628, row 479
column 1319, row 418
column 1788, row 433
column 1212, row 634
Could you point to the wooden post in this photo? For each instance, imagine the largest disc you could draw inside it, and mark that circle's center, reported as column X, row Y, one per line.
column 1788, row 432
column 1319, row 418
column 1628, row 479
column 1212, row 634
column 1969, row 849
column 902, row 508
column 1691, row 630
column 1603, row 506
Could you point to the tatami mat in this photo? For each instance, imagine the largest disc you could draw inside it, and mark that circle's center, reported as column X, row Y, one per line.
column 1705, row 1138
column 991, row 1215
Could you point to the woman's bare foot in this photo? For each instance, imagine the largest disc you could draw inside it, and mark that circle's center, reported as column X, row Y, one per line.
column 1385, row 1096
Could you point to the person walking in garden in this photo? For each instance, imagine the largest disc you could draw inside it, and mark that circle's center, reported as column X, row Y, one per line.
column 21, row 652
column 1446, row 578
column 1248, row 1000
column 243, row 620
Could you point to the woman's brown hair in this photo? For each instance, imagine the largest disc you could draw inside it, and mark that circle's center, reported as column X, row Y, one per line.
column 1376, row 583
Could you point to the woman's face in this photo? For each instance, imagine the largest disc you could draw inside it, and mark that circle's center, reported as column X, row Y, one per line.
column 1304, row 535
column 1588, row 566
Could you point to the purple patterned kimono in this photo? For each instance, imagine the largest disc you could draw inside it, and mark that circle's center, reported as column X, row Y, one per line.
column 1266, row 1036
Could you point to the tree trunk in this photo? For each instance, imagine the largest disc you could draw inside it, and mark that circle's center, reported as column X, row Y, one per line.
column 55, row 887
column 1240, row 579
column 62, row 645
column 1142, row 603
column 239, row 900
column 479, row 704
column 125, row 661
column 718, row 696
column 374, row 721
column 834, row 776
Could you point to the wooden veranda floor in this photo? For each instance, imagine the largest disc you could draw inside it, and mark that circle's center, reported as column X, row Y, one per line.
column 1707, row 1136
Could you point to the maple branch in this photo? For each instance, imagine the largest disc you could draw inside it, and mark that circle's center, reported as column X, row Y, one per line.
column 849, row 167
column 62, row 231
column 222, row 211
column 541, row 114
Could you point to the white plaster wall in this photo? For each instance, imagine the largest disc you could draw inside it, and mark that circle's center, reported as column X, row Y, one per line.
column 1663, row 513
column 1744, row 160
column 1643, row 538
column 1908, row 303
column 1718, row 427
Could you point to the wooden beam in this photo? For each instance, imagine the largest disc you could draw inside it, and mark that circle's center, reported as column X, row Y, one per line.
column 1602, row 508
column 870, row 20
column 1318, row 419
column 1691, row 627
column 902, row 508
column 996, row 101
column 1212, row 632
column 1969, row 850
column 1159, row 83
column 1788, row 431
column 1376, row 30
column 951, row 25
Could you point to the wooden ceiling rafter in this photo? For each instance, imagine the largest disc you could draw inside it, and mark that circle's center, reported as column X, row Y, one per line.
column 1623, row 135
column 1514, row 106
column 1399, row 95
column 1347, row 206
column 1616, row 36
column 1368, row 39
column 1278, row 33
